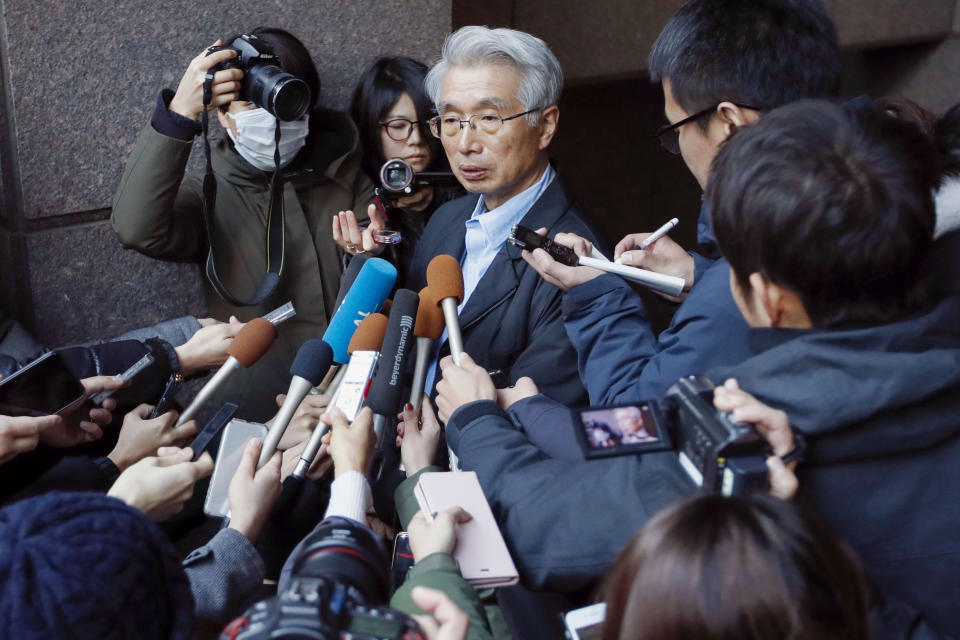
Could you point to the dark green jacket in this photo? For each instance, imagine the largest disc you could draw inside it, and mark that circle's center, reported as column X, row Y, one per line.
column 440, row 571
column 157, row 211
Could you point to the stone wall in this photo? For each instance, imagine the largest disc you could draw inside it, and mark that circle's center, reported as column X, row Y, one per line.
column 79, row 82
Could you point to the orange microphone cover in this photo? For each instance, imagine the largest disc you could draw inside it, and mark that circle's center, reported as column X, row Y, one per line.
column 445, row 278
column 369, row 335
column 252, row 341
column 429, row 322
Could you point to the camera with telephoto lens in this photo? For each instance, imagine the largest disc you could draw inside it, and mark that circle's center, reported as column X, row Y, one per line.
column 719, row 454
column 340, row 574
column 264, row 83
column 397, row 176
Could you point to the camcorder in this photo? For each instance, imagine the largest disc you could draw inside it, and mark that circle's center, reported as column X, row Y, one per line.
column 718, row 453
column 265, row 84
column 398, row 177
column 339, row 576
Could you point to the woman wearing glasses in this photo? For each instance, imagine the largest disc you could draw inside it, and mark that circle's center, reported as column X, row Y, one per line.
column 391, row 110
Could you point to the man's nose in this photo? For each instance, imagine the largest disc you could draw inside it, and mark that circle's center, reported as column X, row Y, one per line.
column 468, row 140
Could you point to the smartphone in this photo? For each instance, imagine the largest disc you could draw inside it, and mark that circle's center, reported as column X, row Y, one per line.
column 356, row 381
column 530, row 240
column 126, row 376
column 585, row 623
column 235, row 437
column 622, row 430
column 44, row 387
column 212, row 428
column 402, row 559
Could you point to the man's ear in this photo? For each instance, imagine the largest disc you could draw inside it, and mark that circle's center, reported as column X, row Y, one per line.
column 731, row 117
column 549, row 120
column 779, row 307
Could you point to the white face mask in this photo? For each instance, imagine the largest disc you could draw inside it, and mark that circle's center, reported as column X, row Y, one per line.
column 254, row 140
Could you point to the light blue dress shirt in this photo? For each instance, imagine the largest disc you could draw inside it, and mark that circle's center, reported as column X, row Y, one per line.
column 485, row 235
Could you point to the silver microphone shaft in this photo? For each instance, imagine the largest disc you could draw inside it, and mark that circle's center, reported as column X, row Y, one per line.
column 201, row 398
column 299, row 388
column 452, row 320
column 424, row 346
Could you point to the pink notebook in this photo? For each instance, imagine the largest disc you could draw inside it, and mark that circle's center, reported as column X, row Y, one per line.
column 481, row 552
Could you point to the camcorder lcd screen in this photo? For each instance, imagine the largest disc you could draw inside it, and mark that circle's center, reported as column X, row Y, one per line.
column 622, row 430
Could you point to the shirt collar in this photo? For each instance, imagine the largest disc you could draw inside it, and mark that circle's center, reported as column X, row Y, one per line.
column 496, row 223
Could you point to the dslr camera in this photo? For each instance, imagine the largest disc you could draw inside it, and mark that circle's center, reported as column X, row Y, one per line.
column 264, row 83
column 341, row 572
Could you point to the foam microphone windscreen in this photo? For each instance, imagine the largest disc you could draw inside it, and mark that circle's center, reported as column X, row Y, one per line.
column 349, row 276
column 369, row 290
column 445, row 278
column 385, row 394
column 312, row 361
column 369, row 335
column 252, row 341
column 429, row 317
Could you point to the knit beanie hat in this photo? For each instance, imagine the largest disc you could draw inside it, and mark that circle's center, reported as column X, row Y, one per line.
column 82, row 565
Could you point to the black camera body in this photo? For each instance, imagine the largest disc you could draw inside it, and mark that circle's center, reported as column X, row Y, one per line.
column 265, row 83
column 398, row 177
column 719, row 454
column 341, row 572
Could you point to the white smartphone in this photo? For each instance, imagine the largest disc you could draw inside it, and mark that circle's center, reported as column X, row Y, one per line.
column 235, row 437
column 585, row 623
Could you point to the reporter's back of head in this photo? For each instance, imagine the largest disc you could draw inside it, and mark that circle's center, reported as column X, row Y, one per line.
column 715, row 568
column 764, row 53
column 82, row 565
column 832, row 204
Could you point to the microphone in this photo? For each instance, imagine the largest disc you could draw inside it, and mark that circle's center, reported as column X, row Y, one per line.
column 428, row 328
column 247, row 347
column 349, row 277
column 445, row 281
column 308, row 368
column 386, row 389
column 364, row 351
column 363, row 289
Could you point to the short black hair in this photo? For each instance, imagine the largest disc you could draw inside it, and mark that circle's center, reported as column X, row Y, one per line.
column 761, row 53
column 832, row 202
column 377, row 90
column 294, row 57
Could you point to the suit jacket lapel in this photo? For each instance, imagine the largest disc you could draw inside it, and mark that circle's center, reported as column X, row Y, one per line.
column 502, row 277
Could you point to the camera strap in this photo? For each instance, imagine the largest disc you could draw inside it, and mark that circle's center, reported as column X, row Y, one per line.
column 275, row 242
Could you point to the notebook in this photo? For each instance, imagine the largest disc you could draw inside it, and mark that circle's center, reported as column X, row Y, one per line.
column 481, row 551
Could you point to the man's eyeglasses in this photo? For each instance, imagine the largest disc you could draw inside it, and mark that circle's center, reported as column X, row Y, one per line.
column 669, row 134
column 488, row 123
column 399, row 129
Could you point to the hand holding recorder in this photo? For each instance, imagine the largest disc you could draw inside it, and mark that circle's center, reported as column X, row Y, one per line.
column 462, row 384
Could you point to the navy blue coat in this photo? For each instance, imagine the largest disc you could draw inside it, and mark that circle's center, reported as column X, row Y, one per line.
column 512, row 321
column 880, row 408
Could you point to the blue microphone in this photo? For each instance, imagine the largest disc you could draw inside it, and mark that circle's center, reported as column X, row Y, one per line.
column 308, row 368
column 372, row 286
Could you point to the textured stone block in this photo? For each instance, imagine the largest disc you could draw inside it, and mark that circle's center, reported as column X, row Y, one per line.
column 925, row 73
column 84, row 76
column 86, row 287
column 886, row 22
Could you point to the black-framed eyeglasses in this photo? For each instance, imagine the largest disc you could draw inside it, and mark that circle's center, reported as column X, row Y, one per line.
column 488, row 123
column 669, row 134
column 399, row 129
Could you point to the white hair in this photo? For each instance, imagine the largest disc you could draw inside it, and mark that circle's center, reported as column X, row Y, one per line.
column 472, row 46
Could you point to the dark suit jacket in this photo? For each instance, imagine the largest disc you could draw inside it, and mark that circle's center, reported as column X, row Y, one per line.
column 513, row 320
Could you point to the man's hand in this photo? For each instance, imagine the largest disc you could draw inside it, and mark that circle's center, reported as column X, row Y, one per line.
column 351, row 444
column 462, row 385
column 523, row 388
column 140, row 437
column 188, row 100
column 446, row 621
column 19, row 435
column 771, row 424
column 159, row 486
column 439, row 536
column 663, row 256
column 304, row 420
column 252, row 492
column 207, row 348
column 418, row 443
column 352, row 238
column 560, row 275
column 81, row 425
